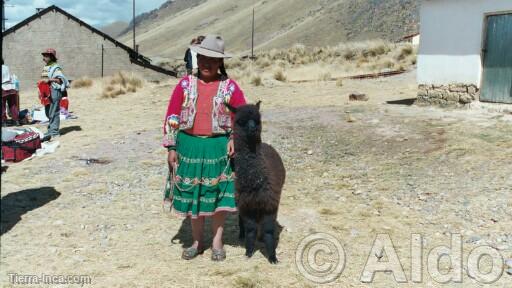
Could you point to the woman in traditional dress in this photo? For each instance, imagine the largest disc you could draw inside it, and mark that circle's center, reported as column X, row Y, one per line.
column 53, row 76
column 197, row 135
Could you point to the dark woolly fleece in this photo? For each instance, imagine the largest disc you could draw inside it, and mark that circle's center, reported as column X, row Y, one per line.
column 260, row 176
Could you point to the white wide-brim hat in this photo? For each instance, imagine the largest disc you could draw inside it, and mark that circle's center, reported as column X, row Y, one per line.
column 212, row 46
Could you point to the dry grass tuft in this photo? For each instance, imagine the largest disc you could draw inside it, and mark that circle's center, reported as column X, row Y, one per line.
column 377, row 50
column 315, row 63
column 256, row 80
column 263, row 62
column 83, row 82
column 112, row 92
column 327, row 211
column 349, row 55
column 121, row 84
column 367, row 55
column 400, row 67
column 405, row 52
column 126, row 81
column 235, row 63
column 310, row 63
column 246, row 282
column 279, row 75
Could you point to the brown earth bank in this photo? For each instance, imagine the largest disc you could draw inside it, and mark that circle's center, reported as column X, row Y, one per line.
column 354, row 170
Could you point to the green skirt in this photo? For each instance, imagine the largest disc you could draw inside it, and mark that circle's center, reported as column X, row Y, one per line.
column 204, row 181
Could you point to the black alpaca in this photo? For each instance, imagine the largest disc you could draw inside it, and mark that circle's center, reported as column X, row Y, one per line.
column 259, row 180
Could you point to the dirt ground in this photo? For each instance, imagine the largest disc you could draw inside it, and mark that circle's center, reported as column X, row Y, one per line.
column 354, row 170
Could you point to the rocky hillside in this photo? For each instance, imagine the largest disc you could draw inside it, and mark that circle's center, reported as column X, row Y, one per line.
column 165, row 32
column 115, row 29
column 169, row 8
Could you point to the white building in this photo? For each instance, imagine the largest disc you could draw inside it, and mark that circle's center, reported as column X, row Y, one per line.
column 414, row 39
column 465, row 52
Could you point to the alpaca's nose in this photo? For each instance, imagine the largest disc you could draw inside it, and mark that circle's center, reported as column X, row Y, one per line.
column 251, row 124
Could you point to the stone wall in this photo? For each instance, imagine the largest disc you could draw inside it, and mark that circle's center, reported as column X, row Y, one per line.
column 79, row 51
column 447, row 95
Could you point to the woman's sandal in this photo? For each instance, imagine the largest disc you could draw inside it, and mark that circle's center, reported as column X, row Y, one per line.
column 190, row 253
column 218, row 254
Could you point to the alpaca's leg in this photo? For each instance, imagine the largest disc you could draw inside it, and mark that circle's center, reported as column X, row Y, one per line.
column 251, row 228
column 241, row 235
column 269, row 239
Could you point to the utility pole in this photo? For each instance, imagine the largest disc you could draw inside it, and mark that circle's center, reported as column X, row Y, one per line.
column 134, row 47
column 3, row 13
column 252, row 37
column 3, row 16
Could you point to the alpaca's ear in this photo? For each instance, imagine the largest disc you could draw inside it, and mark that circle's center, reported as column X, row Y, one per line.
column 231, row 108
column 258, row 105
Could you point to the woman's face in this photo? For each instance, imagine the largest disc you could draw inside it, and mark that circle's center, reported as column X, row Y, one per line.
column 208, row 66
column 46, row 59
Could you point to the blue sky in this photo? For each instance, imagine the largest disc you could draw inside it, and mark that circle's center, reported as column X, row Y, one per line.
column 95, row 12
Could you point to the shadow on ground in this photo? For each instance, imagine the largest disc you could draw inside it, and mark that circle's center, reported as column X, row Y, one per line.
column 15, row 204
column 230, row 237
column 407, row 102
column 66, row 130
column 231, row 231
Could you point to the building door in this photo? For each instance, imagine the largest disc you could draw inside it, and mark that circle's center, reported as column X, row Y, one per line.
column 497, row 74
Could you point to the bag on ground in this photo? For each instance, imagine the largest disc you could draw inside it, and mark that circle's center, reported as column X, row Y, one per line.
column 21, row 147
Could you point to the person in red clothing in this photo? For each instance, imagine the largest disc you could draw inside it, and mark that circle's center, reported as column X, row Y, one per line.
column 197, row 134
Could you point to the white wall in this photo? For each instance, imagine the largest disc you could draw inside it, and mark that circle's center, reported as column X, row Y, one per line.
column 452, row 34
column 416, row 40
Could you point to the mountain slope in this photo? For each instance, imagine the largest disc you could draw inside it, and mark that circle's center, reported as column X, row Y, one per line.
column 115, row 29
column 168, row 9
column 278, row 23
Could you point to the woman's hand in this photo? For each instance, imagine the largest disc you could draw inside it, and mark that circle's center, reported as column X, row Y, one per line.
column 231, row 148
column 172, row 159
column 56, row 80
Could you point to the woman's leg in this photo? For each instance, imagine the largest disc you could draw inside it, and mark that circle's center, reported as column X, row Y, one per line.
column 4, row 107
column 11, row 102
column 47, row 111
column 218, row 220
column 54, row 112
column 197, row 232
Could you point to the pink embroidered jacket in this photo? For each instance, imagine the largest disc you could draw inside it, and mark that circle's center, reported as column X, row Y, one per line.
column 182, row 107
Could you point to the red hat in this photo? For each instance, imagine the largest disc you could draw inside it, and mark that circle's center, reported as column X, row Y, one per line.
column 50, row 51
